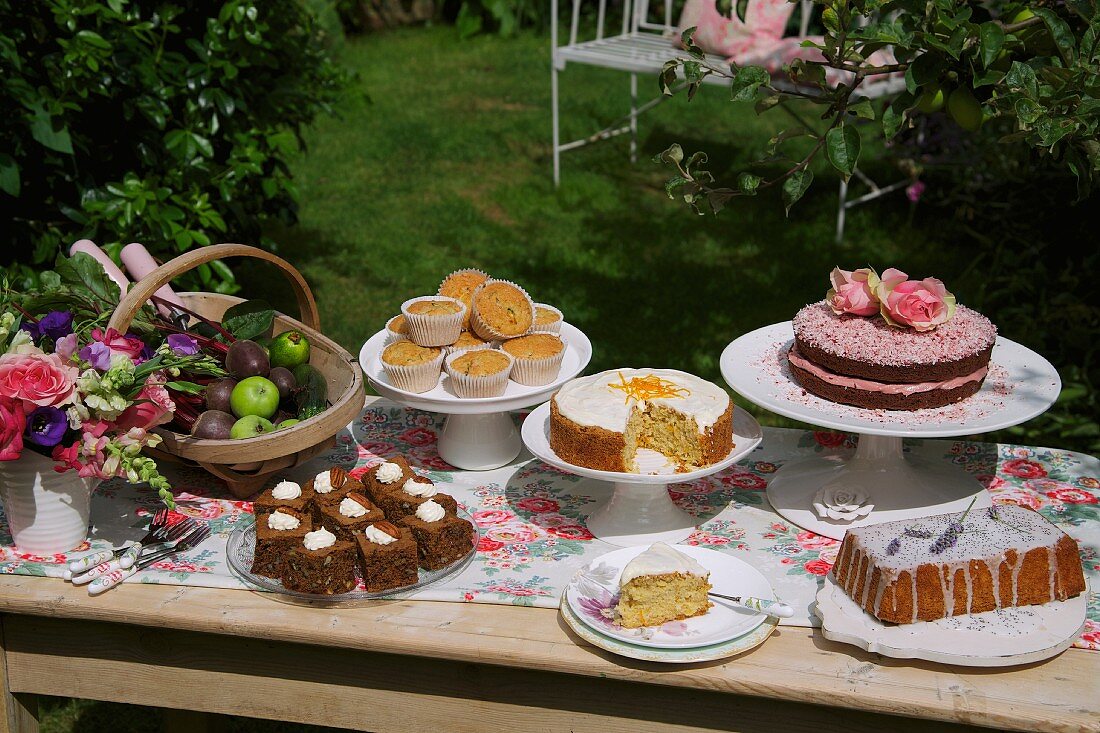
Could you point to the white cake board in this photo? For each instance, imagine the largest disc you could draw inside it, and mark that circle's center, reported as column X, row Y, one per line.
column 479, row 434
column 993, row 639
column 640, row 511
column 1021, row 384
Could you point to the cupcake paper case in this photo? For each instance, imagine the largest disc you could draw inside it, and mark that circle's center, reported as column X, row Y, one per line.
column 489, row 385
column 393, row 334
column 540, row 371
column 491, row 318
column 418, row 378
column 553, row 326
column 461, row 284
column 433, row 329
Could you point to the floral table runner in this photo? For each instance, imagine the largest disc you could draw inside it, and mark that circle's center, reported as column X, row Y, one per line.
column 532, row 516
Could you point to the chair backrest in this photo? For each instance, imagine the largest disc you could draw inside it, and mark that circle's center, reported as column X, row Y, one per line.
column 636, row 18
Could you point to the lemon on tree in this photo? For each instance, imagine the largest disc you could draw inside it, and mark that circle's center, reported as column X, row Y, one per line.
column 289, row 350
column 965, row 109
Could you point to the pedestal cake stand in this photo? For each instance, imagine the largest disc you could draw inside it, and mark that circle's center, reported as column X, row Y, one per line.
column 882, row 482
column 640, row 511
column 478, row 434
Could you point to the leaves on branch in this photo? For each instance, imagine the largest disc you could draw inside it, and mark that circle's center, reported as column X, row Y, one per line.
column 795, row 187
column 842, row 145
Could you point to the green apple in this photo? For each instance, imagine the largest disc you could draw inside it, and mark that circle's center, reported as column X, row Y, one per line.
column 289, row 350
column 290, row 422
column 965, row 109
column 250, row 426
column 254, row 396
column 931, row 98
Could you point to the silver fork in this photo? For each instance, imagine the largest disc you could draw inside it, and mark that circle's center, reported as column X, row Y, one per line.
column 113, row 578
column 164, row 536
column 129, row 553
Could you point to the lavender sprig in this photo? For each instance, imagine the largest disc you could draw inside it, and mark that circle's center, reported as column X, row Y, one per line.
column 950, row 536
column 894, row 546
column 921, row 534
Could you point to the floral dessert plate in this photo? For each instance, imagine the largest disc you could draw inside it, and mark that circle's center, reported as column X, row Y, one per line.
column 593, row 592
column 242, row 546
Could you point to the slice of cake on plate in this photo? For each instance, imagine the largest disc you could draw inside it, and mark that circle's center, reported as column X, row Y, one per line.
column 276, row 534
column 387, row 556
column 953, row 564
column 661, row 585
column 441, row 537
column 320, row 564
column 353, row 514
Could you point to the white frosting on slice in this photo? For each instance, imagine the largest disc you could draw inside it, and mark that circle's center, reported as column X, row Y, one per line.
column 322, row 482
column 389, row 473
column 351, row 508
column 419, row 488
column 660, row 559
column 593, row 401
column 282, row 521
column 286, row 491
column 429, row 511
column 377, row 536
column 319, row 539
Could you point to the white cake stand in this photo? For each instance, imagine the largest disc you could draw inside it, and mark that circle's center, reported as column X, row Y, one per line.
column 478, row 434
column 881, row 483
column 640, row 511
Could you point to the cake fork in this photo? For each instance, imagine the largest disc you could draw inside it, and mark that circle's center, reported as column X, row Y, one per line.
column 163, row 537
column 760, row 605
column 129, row 553
column 105, row 582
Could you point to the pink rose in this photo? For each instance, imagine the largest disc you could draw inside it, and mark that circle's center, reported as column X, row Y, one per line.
column 490, row 517
column 38, row 379
column 537, row 504
column 13, row 420
column 130, row 346
column 817, row 567
column 853, row 292
column 153, row 406
column 919, row 304
column 811, row 541
column 1021, row 468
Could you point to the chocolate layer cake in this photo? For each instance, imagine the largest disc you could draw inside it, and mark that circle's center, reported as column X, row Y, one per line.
column 276, row 535
column 353, row 514
column 387, row 556
column 948, row 565
column 868, row 363
column 325, row 570
column 441, row 538
column 401, row 503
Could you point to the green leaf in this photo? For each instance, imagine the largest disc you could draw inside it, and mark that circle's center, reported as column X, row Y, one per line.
column 186, row 387
column 9, row 175
column 1021, row 78
column 748, row 183
column 673, row 154
column 84, row 274
column 924, row 69
column 1028, row 111
column 862, row 109
column 795, row 187
column 1061, row 33
column 93, row 39
column 991, row 38
column 893, row 117
column 250, row 325
column 747, row 81
column 842, row 145
column 741, row 8
column 51, row 133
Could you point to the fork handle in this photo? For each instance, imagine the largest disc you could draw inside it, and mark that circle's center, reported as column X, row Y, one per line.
column 110, row 580
column 88, row 562
column 130, row 556
column 102, row 569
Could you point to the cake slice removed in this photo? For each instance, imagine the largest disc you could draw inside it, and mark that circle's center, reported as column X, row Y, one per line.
column 661, row 585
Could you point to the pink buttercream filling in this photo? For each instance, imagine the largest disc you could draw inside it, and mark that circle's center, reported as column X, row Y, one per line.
column 869, row 385
column 872, row 341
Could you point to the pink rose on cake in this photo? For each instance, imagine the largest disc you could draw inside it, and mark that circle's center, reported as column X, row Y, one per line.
column 853, row 292
column 919, row 304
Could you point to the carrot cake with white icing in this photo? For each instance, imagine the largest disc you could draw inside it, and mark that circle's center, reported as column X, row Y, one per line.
column 660, row 585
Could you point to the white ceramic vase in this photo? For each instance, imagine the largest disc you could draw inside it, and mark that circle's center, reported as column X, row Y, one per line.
column 47, row 511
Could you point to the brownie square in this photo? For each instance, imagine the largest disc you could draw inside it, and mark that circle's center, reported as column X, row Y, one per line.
column 376, row 489
column 326, row 571
column 329, row 516
column 341, row 482
column 439, row 544
column 272, row 545
column 388, row 566
column 265, row 503
column 399, row 504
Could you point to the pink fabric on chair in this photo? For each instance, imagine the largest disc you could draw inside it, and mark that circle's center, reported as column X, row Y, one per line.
column 765, row 21
column 774, row 55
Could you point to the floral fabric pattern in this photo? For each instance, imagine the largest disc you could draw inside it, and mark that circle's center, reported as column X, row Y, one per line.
column 531, row 517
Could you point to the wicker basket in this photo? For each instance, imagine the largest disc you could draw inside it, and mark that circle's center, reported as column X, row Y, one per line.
column 247, row 464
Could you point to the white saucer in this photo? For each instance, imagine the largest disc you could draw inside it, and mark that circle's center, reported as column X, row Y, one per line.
column 993, row 639
column 591, row 592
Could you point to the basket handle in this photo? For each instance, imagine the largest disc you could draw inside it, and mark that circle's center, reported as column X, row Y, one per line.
column 144, row 289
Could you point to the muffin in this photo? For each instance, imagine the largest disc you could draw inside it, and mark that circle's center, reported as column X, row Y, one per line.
column 482, row 373
column 537, row 358
column 433, row 320
column 460, row 285
column 547, row 319
column 501, row 310
column 412, row 368
column 468, row 342
column 397, row 329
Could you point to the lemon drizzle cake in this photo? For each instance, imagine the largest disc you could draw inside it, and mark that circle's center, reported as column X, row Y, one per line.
column 602, row 421
column 661, row 585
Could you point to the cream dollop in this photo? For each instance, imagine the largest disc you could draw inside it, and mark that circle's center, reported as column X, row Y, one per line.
column 319, row 539
column 286, row 491
column 660, row 559
column 322, row 482
column 282, row 521
column 377, row 536
column 429, row 511
column 419, row 488
column 351, row 508
column 389, row 473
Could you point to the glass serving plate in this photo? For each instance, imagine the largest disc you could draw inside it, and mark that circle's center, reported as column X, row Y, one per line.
column 242, row 545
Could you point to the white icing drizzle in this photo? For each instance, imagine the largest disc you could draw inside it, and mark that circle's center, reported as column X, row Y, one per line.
column 660, row 559
column 592, row 401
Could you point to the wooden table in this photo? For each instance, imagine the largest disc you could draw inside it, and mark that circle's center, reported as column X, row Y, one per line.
column 453, row 667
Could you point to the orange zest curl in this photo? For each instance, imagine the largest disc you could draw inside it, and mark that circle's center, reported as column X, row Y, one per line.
column 649, row 387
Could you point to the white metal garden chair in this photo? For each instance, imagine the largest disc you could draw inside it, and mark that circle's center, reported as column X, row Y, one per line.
column 642, row 45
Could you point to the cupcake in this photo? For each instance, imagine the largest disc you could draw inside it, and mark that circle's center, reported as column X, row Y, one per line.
column 538, row 358
column 460, row 285
column 412, row 368
column 468, row 342
column 501, row 310
column 482, row 373
column 547, row 319
column 397, row 329
column 433, row 320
